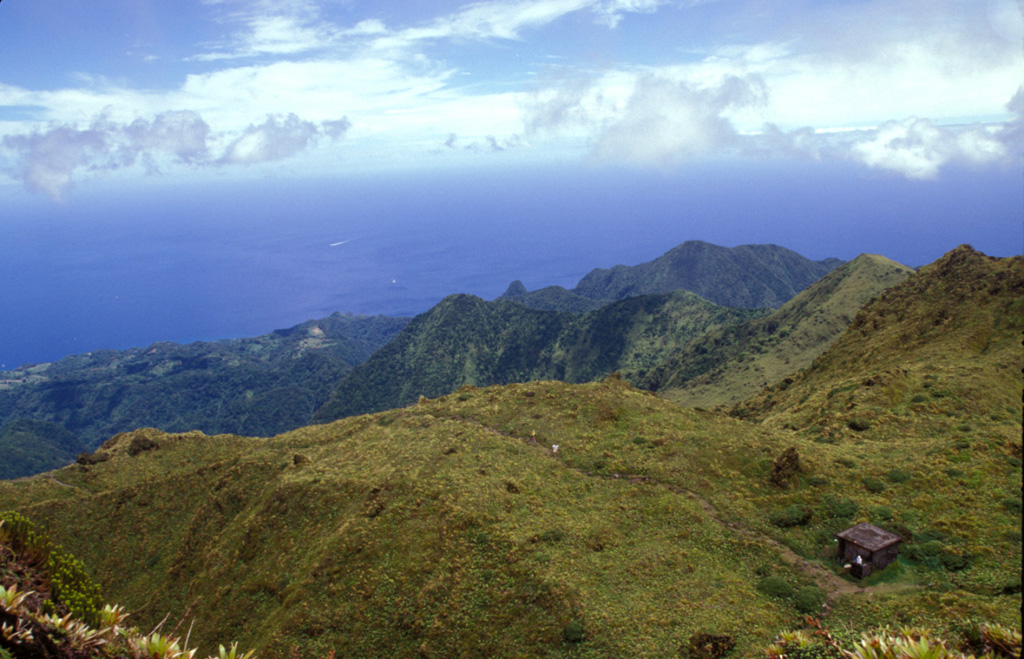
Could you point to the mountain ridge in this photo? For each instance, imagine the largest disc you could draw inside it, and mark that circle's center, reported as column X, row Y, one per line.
column 749, row 276
column 731, row 364
column 466, row 340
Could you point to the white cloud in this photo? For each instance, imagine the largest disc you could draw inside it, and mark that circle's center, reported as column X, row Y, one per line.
column 610, row 12
column 182, row 133
column 48, row 161
column 49, row 158
column 502, row 19
column 277, row 139
column 772, row 85
column 918, row 149
column 665, row 121
column 273, row 28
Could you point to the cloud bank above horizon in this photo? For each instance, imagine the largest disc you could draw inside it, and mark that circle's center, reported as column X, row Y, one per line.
column 906, row 87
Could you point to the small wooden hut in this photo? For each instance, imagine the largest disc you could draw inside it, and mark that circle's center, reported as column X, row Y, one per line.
column 866, row 547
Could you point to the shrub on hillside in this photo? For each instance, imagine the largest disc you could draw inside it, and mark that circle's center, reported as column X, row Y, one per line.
column 573, row 632
column 809, row 600
column 775, row 586
column 872, row 484
column 881, row 514
column 840, row 508
column 954, row 561
column 794, row 515
column 785, row 467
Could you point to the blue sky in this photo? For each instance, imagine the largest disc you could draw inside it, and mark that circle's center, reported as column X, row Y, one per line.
column 225, row 144
column 95, row 88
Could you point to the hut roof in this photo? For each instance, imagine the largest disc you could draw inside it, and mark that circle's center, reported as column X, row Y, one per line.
column 869, row 536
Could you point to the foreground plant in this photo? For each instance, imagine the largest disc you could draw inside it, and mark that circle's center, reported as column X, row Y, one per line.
column 11, row 600
column 233, row 653
column 993, row 641
column 31, row 626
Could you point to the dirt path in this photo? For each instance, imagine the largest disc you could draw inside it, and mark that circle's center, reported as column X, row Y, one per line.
column 831, row 583
column 54, row 479
column 825, row 578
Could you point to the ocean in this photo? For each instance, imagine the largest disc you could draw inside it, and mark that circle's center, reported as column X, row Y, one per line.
column 223, row 259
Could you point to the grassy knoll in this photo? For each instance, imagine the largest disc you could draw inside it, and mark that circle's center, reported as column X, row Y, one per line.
column 450, row 528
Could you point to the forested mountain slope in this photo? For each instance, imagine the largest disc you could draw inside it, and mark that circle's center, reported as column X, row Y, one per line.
column 750, row 276
column 465, row 340
column 257, row 386
column 730, row 364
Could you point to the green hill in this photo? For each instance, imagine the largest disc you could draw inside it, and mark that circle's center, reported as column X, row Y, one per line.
column 258, row 386
column 924, row 389
column 749, row 276
column 733, row 363
column 465, row 340
column 453, row 527
column 953, row 329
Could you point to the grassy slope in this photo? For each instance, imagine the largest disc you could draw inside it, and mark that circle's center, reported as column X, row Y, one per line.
column 439, row 528
column 465, row 340
column 449, row 529
column 927, row 382
column 732, row 364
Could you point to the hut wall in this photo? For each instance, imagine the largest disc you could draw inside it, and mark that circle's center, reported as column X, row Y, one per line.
column 885, row 556
column 849, row 551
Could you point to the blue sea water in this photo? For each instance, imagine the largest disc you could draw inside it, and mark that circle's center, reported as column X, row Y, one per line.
column 227, row 260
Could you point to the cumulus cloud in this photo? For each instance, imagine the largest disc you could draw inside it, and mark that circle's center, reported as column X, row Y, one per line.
column 182, row 133
column 49, row 160
column 917, row 148
column 277, row 138
column 564, row 105
column 490, row 143
column 661, row 120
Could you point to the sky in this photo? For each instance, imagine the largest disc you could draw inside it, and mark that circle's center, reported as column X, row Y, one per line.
column 131, row 106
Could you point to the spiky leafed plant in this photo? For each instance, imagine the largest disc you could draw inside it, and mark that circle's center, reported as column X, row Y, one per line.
column 158, row 646
column 232, row 653
column 11, row 600
column 78, row 635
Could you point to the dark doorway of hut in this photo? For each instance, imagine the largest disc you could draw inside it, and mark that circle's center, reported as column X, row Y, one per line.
column 865, row 548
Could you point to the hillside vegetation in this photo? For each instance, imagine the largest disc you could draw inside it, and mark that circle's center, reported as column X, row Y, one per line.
column 258, row 386
column 32, row 447
column 454, row 527
column 731, row 364
column 596, row 520
column 465, row 340
column 748, row 276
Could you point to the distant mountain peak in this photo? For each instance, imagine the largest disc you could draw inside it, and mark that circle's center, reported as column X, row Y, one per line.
column 514, row 290
column 748, row 276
